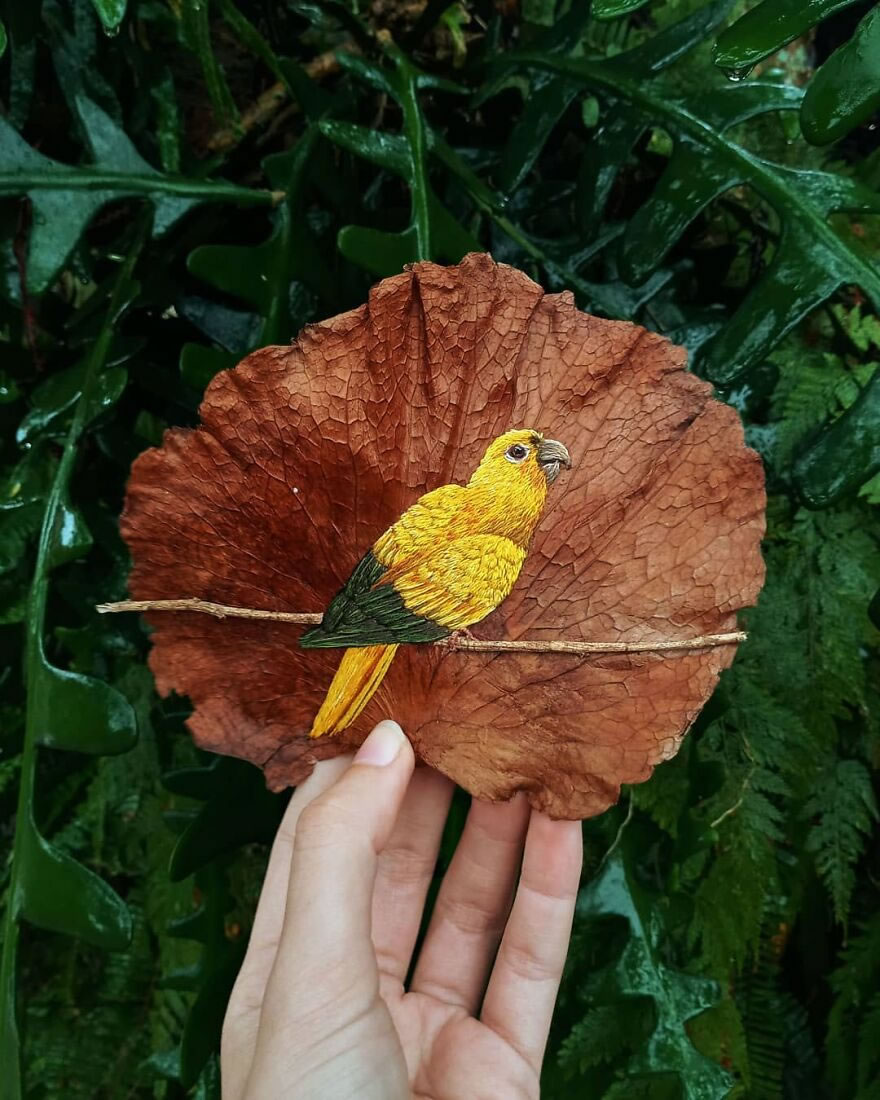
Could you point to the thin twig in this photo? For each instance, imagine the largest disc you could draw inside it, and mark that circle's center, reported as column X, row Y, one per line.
column 619, row 836
column 473, row 645
column 746, row 783
column 218, row 610
column 271, row 101
column 731, row 810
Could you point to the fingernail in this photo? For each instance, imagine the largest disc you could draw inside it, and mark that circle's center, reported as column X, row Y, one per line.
column 382, row 746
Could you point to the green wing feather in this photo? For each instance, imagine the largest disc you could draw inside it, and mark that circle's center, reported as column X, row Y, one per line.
column 367, row 613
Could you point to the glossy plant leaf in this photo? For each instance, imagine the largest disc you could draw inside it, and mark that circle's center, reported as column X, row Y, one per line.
column 195, row 16
column 377, row 251
column 845, row 92
column 65, row 199
column 812, row 260
column 614, row 9
column 111, row 13
column 65, row 710
column 692, row 180
column 199, row 364
column 768, row 27
column 550, row 95
column 545, row 102
column 428, row 233
column 385, row 253
column 58, row 395
column 845, row 455
column 612, row 142
column 262, row 275
column 60, row 895
column 380, row 251
column 97, row 719
column 640, row 971
column 71, row 537
column 238, row 810
column 669, row 45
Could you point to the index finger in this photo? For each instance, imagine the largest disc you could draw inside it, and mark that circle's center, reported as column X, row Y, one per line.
column 521, row 996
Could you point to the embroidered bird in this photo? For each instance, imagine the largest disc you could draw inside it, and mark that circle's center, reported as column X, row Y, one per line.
column 449, row 561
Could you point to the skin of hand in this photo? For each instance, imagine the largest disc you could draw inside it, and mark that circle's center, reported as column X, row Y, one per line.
column 320, row 1009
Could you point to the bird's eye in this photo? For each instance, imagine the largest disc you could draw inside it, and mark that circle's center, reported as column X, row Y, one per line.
column 516, row 452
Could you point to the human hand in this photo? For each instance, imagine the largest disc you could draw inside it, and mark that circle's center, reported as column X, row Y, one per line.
column 320, row 1009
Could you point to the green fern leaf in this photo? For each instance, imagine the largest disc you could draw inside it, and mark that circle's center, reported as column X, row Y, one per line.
column 846, row 810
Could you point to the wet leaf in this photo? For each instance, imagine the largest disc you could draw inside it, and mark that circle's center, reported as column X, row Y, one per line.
column 846, row 454
column 65, row 199
column 432, row 230
column 60, row 393
column 196, row 21
column 238, row 810
column 199, row 364
column 845, row 92
column 641, row 971
column 65, row 709
column 308, row 453
column 59, row 894
column 111, row 13
column 700, row 124
column 767, row 27
column 214, row 974
column 614, row 9
column 97, row 718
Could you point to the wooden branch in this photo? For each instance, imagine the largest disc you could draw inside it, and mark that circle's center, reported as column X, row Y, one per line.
column 218, row 610
column 471, row 645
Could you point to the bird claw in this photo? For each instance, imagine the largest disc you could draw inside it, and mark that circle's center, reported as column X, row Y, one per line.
column 461, row 635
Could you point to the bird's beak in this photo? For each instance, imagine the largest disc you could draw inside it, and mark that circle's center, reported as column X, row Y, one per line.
column 551, row 456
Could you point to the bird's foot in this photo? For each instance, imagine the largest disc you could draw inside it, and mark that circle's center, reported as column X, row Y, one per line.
column 462, row 635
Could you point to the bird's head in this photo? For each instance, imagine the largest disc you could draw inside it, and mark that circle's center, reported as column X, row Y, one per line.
column 522, row 454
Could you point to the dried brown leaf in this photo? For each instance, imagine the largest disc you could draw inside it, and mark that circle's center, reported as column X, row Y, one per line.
column 307, row 453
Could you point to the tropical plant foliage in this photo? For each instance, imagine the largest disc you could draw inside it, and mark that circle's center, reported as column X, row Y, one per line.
column 181, row 182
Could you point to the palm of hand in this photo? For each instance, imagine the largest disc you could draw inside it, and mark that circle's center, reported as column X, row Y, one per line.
column 448, row 1053
column 320, row 1008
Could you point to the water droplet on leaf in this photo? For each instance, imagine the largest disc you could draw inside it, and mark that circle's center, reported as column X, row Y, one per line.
column 735, row 75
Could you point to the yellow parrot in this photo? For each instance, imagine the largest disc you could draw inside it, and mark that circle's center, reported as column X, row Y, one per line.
column 446, row 564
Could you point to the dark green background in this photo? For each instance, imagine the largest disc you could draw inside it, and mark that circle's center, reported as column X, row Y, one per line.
column 185, row 180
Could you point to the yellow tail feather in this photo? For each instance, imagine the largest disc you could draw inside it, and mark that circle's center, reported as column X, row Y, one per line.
column 360, row 672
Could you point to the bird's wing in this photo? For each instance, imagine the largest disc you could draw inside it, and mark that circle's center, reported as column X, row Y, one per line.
column 459, row 584
column 462, row 582
column 422, row 527
column 367, row 612
column 370, row 612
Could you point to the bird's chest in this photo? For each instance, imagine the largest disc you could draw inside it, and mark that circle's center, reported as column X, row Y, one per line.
column 506, row 512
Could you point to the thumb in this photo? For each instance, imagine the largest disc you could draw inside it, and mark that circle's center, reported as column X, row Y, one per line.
column 335, row 853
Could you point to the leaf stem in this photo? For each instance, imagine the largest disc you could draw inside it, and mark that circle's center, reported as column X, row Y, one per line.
column 471, row 645
column 414, row 126
column 74, row 179
column 24, row 821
